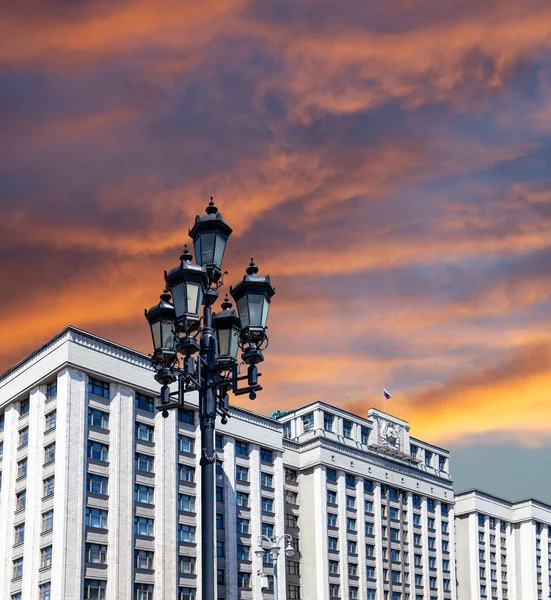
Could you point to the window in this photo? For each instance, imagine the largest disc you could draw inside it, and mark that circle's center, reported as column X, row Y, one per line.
column 49, row 453
column 23, row 436
column 352, row 570
column 416, row 519
column 143, row 559
column 351, row 547
column 266, row 455
column 50, row 421
column 1, row 420
column 481, row 520
column 368, row 486
column 96, row 554
column 219, row 521
column 144, row 462
column 444, row 509
column 267, row 504
column 51, row 390
column 444, row 527
column 416, row 500
column 369, row 550
column 350, row 524
column 243, row 525
column 219, row 548
column 186, row 444
column 94, row 589
column 334, row 590
column 98, row 451
column 350, row 502
column 96, row 518
column 287, row 431
column 430, row 523
column 243, row 552
column 293, row 592
column 432, row 543
column 241, row 448
column 370, row 572
column 98, row 388
column 143, row 493
column 44, row 591
column 21, row 500
column 291, row 520
column 143, row 591
column 220, row 577
column 219, row 494
column 393, row 513
column 395, row 534
column 331, row 520
column 186, row 533
column 332, row 543
column 266, row 480
column 143, row 526
column 293, row 567
column 432, row 562
column 144, row 432
column 219, row 467
column 445, row 565
column 308, row 422
column 350, row 480
column 442, row 463
column 417, row 539
column 242, row 499
column 347, row 428
column 25, row 405
column 428, row 458
column 291, row 497
column 268, row 529
column 331, row 497
column 241, row 473
column 445, row 545
column 291, row 475
column 331, row 475
column 368, row 506
column 365, row 436
column 328, row 422
column 218, row 442
column 186, row 415
column 368, row 528
column 96, row 484
column 333, row 567
column 186, row 565
column 186, row 473
column 22, row 468
column 430, row 504
column 1, row 448
column 19, row 536
column 243, row 580
column 432, row 583
column 394, row 494
column 186, row 503
column 395, row 555
column 18, row 568
column 395, row 576
column 186, row 593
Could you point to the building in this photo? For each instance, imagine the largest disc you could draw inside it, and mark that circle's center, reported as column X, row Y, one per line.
column 98, row 496
column 503, row 548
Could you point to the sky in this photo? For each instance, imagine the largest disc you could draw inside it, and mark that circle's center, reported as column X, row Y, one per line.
column 387, row 163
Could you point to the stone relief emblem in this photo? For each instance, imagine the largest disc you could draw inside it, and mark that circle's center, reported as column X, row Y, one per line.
column 390, row 436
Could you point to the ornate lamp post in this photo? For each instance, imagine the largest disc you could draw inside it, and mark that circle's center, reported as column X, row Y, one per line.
column 272, row 546
column 179, row 332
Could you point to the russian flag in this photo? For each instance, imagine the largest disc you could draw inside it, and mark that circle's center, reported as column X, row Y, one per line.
column 386, row 394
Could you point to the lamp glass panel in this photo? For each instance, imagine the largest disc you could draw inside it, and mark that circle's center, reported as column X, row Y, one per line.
column 168, row 335
column 243, row 309
column 197, row 247
column 234, row 342
column 180, row 299
column 193, row 299
column 224, row 342
column 219, row 250
column 256, row 309
column 156, row 333
column 265, row 307
column 207, row 248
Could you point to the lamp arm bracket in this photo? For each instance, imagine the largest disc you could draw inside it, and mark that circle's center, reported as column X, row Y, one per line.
column 206, row 458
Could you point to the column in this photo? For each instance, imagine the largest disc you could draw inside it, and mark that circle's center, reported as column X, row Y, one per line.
column 425, row 546
column 120, row 546
column 360, row 505
column 411, row 580
column 256, row 513
column 378, row 540
column 70, row 482
column 7, row 497
column 545, row 560
column 166, row 498
column 453, row 570
column 343, row 546
column 230, row 518
column 498, row 552
column 438, row 536
column 279, row 526
column 33, row 517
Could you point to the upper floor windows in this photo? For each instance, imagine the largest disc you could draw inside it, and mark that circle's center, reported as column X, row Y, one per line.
column 96, row 518
column 287, row 430
column 308, row 422
column 266, row 455
column 241, row 448
column 186, row 444
column 347, row 428
column 365, row 435
column 50, row 421
column 98, row 418
column 98, row 451
column 98, row 387
column 144, row 432
column 144, row 402
column 51, row 390
column 442, row 463
column 331, row 475
column 25, row 406
column 328, row 421
column 96, row 484
column 186, row 415
column 428, row 458
column 144, row 462
column 23, row 436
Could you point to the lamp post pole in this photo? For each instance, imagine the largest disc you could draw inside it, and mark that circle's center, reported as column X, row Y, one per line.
column 179, row 332
column 273, row 548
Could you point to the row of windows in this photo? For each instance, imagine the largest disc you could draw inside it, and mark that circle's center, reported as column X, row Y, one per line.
column 49, row 456
column 329, row 424
column 429, row 456
column 95, row 589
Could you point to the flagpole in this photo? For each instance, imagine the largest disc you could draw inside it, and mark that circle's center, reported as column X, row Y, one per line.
column 384, row 396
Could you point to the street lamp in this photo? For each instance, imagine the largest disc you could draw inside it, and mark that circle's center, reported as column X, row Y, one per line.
column 179, row 332
column 272, row 546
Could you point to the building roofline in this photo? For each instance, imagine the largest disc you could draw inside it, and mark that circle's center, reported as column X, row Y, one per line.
column 62, row 333
column 510, row 503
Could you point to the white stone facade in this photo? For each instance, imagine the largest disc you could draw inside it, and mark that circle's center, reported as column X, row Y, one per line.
column 107, row 491
column 503, row 548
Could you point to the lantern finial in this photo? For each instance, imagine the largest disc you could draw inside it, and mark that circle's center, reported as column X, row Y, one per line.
column 212, row 209
column 186, row 255
column 252, row 269
column 226, row 303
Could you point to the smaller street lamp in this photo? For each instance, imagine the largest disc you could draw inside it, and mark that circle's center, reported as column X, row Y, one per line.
column 161, row 321
column 272, row 546
column 228, row 330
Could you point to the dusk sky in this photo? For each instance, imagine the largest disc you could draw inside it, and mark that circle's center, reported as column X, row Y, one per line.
column 388, row 163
